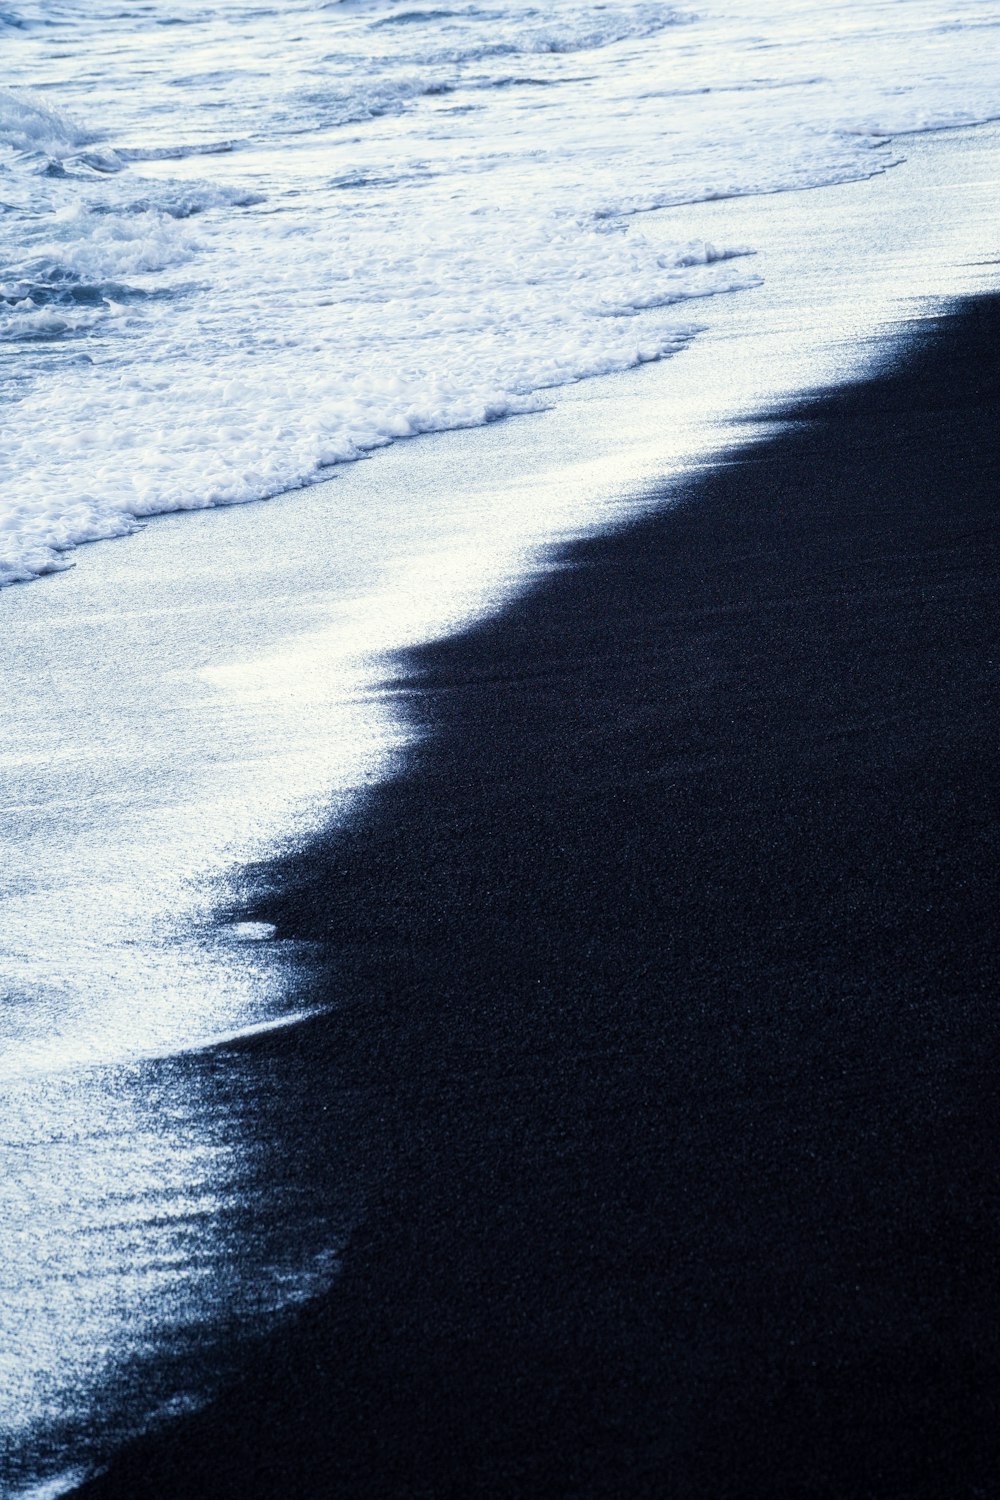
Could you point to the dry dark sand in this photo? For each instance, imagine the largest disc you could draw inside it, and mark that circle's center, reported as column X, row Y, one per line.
column 666, row 978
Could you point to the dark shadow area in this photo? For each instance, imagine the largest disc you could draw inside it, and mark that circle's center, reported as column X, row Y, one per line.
column 667, row 979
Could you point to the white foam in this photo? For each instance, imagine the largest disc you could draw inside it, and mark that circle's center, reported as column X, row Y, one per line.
column 28, row 124
column 253, row 932
column 99, row 448
column 333, row 289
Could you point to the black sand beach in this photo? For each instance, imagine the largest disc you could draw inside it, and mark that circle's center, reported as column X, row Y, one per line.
column 666, row 977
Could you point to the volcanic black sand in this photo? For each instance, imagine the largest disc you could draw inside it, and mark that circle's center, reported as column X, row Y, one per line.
column 666, row 976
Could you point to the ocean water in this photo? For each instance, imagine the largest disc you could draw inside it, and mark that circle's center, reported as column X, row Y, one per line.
column 241, row 249
column 242, row 243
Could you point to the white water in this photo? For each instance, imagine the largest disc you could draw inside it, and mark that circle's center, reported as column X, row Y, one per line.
column 242, row 244
column 185, row 701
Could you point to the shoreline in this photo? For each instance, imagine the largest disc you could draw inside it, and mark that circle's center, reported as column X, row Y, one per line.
column 663, row 977
column 207, row 707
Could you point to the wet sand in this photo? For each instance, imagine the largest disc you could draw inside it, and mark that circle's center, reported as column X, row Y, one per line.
column 664, row 982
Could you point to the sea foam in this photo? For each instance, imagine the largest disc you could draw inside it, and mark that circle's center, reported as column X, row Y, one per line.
column 298, row 242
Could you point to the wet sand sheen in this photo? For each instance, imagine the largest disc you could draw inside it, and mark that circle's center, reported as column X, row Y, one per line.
column 664, row 985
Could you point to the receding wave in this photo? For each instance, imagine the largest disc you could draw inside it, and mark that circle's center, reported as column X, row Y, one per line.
column 589, row 28
column 428, row 17
column 179, row 152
